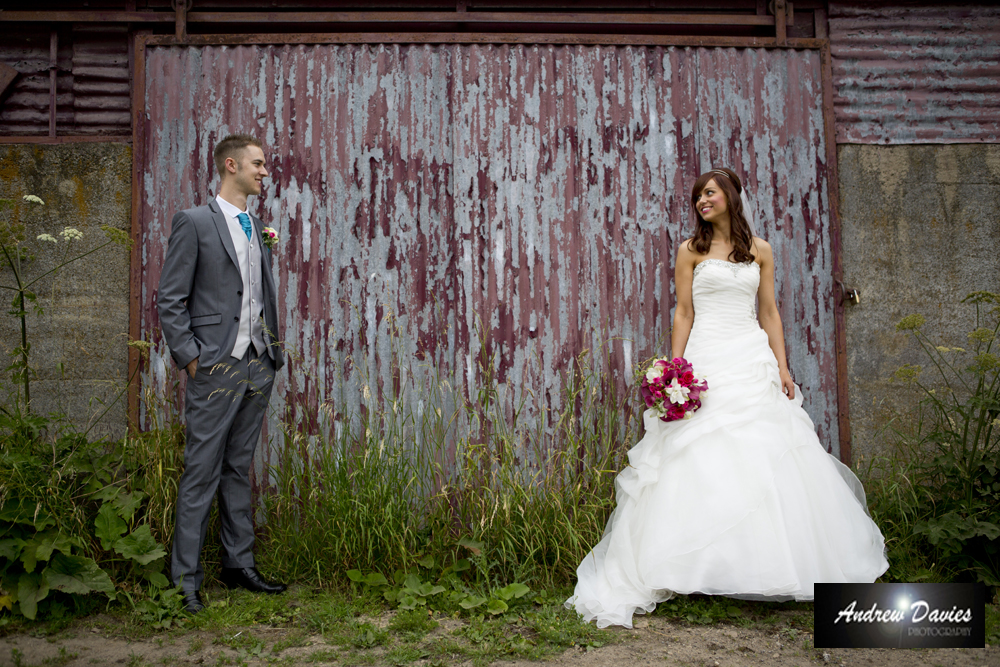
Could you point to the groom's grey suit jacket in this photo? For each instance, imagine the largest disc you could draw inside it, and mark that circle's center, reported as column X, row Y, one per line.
column 200, row 293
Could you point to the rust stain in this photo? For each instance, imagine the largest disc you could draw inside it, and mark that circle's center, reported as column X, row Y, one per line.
column 439, row 204
column 915, row 75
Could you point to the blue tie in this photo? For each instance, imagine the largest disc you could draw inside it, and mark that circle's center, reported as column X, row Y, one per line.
column 245, row 223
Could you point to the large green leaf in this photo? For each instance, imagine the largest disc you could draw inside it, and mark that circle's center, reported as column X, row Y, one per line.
column 475, row 547
column 108, row 526
column 107, row 493
column 376, row 579
column 428, row 589
column 77, row 574
column 988, row 530
column 158, row 579
column 41, row 546
column 496, row 607
column 11, row 549
column 31, row 589
column 20, row 510
column 127, row 503
column 412, row 583
column 513, row 591
column 140, row 546
column 471, row 602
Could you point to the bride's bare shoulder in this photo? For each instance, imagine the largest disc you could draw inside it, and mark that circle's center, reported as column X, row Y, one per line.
column 687, row 250
column 761, row 248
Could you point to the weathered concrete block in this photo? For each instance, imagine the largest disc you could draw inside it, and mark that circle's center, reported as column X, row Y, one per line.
column 920, row 231
column 79, row 344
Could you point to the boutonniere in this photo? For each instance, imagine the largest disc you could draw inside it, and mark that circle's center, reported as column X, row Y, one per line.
column 270, row 237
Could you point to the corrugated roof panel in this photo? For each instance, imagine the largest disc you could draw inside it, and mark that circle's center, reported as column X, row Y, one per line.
column 93, row 95
column 905, row 75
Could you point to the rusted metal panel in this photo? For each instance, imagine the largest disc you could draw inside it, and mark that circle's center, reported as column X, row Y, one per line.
column 536, row 195
column 926, row 74
column 101, row 99
column 92, row 82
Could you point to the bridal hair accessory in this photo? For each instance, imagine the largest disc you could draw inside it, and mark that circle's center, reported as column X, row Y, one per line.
column 672, row 390
column 747, row 211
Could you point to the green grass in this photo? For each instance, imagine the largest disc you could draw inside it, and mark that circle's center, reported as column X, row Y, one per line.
column 378, row 490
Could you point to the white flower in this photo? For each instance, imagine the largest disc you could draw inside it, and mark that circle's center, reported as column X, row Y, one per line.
column 653, row 373
column 32, row 199
column 47, row 237
column 677, row 392
column 70, row 234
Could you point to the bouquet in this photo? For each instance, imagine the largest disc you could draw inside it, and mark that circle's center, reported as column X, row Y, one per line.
column 270, row 237
column 672, row 389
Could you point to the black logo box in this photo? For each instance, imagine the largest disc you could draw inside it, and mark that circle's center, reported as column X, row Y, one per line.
column 900, row 615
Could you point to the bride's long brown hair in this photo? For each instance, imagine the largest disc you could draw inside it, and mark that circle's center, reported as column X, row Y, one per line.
column 740, row 230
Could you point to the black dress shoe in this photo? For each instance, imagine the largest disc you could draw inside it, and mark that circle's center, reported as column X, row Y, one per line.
column 250, row 579
column 193, row 603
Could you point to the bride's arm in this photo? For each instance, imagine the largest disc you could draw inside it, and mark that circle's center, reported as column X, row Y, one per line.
column 768, row 316
column 684, row 313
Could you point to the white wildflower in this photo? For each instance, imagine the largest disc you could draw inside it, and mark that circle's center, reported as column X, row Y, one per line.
column 677, row 392
column 32, row 199
column 47, row 237
column 71, row 234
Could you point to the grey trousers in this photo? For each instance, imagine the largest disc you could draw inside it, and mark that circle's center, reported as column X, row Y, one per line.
column 224, row 410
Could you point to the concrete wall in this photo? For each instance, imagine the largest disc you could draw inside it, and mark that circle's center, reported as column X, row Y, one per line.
column 85, row 321
column 921, row 229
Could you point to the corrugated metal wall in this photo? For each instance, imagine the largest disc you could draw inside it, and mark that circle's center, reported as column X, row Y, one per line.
column 92, row 84
column 916, row 75
column 538, row 190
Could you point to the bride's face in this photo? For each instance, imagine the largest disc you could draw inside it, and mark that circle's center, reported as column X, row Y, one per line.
column 711, row 204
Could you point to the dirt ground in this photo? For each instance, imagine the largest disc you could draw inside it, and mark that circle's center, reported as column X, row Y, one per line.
column 654, row 641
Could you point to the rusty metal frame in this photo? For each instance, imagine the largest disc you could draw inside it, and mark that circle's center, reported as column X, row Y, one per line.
column 138, row 58
column 820, row 43
column 65, row 139
column 483, row 38
column 181, row 15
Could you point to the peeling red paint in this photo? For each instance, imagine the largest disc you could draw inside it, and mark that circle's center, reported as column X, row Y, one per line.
column 539, row 192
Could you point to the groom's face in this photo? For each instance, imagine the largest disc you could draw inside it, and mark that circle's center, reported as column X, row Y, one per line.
column 250, row 171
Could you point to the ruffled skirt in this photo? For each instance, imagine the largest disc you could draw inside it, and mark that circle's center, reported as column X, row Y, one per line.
column 741, row 500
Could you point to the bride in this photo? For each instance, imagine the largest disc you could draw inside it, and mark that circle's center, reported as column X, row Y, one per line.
column 741, row 500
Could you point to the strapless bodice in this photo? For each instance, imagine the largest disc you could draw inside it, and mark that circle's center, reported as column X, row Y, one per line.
column 723, row 294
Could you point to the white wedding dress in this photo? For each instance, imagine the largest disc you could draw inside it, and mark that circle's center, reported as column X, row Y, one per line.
column 740, row 500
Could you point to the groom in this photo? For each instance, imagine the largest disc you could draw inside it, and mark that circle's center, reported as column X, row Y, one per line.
column 217, row 309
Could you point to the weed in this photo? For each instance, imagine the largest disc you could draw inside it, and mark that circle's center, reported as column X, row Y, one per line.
column 64, row 657
column 293, row 639
column 323, row 655
column 196, row 645
column 366, row 635
column 952, row 499
column 413, row 624
column 404, row 655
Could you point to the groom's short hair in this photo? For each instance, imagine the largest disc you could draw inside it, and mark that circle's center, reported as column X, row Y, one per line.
column 230, row 147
